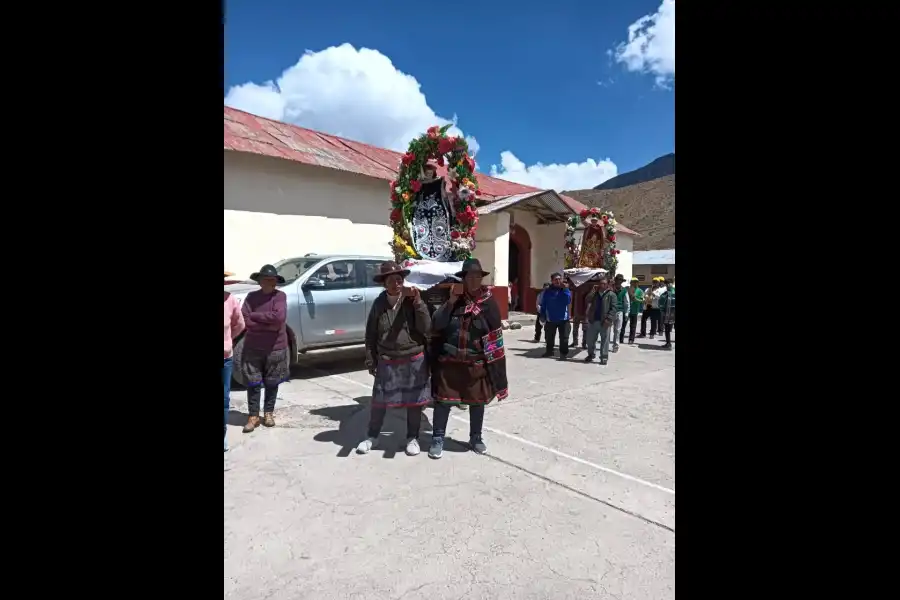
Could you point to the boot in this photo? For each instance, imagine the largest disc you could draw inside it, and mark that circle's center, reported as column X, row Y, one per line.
column 269, row 419
column 252, row 423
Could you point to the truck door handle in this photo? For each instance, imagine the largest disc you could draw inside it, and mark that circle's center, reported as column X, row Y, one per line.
column 355, row 298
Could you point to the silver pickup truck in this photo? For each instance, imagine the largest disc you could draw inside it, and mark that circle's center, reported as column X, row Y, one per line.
column 328, row 301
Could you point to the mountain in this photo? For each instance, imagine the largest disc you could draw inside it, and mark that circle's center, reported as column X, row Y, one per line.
column 661, row 167
column 647, row 207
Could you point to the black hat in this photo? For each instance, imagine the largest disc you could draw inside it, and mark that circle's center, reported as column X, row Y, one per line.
column 389, row 268
column 267, row 271
column 620, row 277
column 472, row 264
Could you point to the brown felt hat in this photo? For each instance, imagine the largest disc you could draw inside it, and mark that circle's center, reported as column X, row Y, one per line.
column 389, row 268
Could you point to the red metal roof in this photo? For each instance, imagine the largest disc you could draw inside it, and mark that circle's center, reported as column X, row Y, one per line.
column 257, row 135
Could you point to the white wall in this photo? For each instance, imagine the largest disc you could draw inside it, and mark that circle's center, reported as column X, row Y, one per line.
column 492, row 247
column 268, row 208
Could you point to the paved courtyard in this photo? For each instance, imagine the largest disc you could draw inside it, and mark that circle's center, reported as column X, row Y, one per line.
column 575, row 499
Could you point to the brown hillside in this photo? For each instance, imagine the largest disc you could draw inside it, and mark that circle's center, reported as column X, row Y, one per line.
column 648, row 208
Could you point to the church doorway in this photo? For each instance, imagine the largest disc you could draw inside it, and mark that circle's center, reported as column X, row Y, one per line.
column 520, row 268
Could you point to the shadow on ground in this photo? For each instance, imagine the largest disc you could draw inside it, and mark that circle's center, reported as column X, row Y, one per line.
column 538, row 352
column 656, row 346
column 353, row 421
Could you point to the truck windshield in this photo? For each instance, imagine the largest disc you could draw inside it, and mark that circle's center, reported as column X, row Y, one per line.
column 293, row 268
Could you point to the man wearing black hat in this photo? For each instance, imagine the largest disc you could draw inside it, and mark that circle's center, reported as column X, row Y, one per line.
column 471, row 359
column 265, row 361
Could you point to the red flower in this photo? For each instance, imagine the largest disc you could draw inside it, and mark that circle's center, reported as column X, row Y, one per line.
column 584, row 213
column 472, row 231
column 471, row 162
column 394, row 197
column 477, row 192
column 393, row 185
column 612, row 238
column 454, row 234
column 395, row 215
column 445, row 145
column 440, row 161
column 605, row 219
column 416, row 185
column 593, row 210
column 434, row 131
column 408, row 158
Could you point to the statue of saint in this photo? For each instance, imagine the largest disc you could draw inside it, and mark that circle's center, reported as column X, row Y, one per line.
column 432, row 217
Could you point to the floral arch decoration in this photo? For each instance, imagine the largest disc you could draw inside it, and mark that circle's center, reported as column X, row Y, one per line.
column 593, row 218
column 454, row 152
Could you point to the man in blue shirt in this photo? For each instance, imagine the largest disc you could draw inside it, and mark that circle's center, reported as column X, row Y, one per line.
column 537, row 319
column 554, row 312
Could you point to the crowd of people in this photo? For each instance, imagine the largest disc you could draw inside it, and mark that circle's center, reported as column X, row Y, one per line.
column 609, row 309
column 454, row 356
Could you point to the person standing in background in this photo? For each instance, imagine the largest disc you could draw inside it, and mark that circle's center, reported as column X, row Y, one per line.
column 623, row 307
column 667, row 311
column 602, row 313
column 651, row 310
column 234, row 326
column 636, row 301
column 514, row 294
column 537, row 318
column 265, row 361
column 555, row 315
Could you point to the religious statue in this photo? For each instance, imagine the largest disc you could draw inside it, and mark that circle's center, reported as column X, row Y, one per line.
column 432, row 217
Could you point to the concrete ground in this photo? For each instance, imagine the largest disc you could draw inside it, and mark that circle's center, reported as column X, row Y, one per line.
column 575, row 499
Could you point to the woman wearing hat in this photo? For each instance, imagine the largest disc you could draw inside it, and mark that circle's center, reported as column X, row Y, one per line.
column 264, row 361
column 471, row 362
column 234, row 326
column 396, row 334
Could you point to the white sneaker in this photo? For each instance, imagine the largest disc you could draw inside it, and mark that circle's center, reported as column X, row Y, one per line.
column 366, row 445
column 412, row 447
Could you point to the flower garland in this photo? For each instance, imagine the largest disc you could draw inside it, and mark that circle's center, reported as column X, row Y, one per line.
column 593, row 218
column 435, row 144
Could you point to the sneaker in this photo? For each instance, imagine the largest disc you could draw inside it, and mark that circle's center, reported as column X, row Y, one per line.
column 412, row 447
column 642, row 335
column 477, row 444
column 652, row 336
column 563, row 356
column 588, row 358
column 615, row 348
column 437, row 448
column 366, row 445
column 603, row 361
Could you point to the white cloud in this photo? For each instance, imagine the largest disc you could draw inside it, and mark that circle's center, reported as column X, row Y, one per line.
column 573, row 176
column 357, row 94
column 651, row 45
column 360, row 95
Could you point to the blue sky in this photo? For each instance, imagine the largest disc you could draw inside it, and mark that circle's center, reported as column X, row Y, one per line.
column 555, row 84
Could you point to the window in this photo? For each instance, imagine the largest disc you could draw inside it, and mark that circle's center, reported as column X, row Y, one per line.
column 659, row 269
column 294, row 268
column 640, row 277
column 369, row 269
column 337, row 275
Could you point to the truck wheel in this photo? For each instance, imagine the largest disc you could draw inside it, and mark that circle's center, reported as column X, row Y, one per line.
column 236, row 374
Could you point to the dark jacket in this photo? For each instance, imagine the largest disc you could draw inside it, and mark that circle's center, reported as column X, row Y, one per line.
column 473, row 334
column 555, row 304
column 603, row 307
column 265, row 316
column 406, row 335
